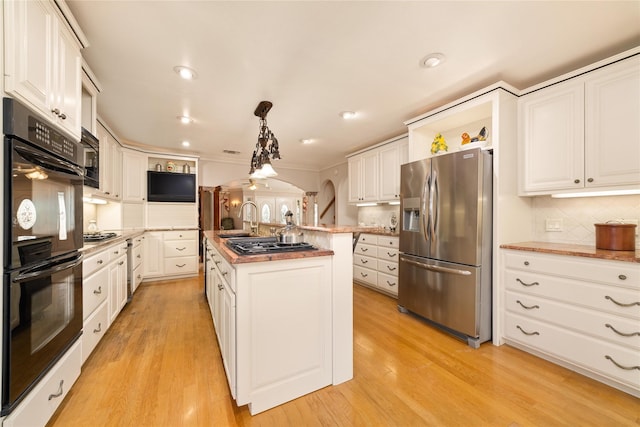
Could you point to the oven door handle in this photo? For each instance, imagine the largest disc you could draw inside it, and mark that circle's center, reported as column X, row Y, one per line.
column 47, row 269
column 47, row 161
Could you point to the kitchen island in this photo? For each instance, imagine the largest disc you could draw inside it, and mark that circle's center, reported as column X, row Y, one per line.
column 284, row 321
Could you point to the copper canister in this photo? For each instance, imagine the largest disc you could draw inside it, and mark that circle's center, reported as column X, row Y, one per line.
column 616, row 236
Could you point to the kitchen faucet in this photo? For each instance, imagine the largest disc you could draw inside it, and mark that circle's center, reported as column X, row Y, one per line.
column 254, row 227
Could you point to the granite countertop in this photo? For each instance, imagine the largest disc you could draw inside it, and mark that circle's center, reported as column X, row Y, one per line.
column 585, row 251
column 234, row 258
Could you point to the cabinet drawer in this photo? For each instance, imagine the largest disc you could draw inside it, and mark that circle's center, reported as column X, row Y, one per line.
column 94, row 291
column 94, row 262
column 586, row 352
column 117, row 251
column 179, row 248
column 136, row 255
column 181, row 265
column 389, row 268
column 369, row 239
column 388, row 254
column 365, row 275
column 364, row 249
column 180, row 235
column 93, row 331
column 590, row 322
column 40, row 404
column 365, row 261
column 589, row 269
column 611, row 299
column 388, row 242
column 388, row 282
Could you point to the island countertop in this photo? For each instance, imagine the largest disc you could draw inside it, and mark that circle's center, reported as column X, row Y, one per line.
column 234, row 258
column 585, row 251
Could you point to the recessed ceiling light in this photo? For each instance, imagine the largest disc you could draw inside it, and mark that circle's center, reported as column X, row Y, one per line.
column 307, row 141
column 185, row 143
column 348, row 115
column 185, row 72
column 432, row 60
column 185, row 119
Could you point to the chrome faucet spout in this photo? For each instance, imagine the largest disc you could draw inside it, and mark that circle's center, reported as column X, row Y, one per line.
column 252, row 225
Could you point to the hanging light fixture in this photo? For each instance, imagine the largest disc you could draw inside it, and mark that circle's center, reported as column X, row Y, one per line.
column 266, row 147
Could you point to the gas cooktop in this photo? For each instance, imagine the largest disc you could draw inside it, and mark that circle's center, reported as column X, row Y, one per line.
column 265, row 245
column 97, row 237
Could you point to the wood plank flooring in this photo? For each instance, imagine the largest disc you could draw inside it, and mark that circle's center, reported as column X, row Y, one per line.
column 159, row 365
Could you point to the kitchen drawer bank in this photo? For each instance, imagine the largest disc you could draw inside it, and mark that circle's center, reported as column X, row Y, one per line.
column 375, row 262
column 581, row 313
column 280, row 319
column 170, row 254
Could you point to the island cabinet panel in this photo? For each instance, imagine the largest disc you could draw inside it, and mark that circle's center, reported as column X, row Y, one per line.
column 284, row 330
column 581, row 313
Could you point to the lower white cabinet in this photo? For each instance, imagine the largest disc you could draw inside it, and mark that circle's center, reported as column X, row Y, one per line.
column 375, row 263
column 582, row 313
column 137, row 260
column 170, row 254
column 40, row 404
column 117, row 281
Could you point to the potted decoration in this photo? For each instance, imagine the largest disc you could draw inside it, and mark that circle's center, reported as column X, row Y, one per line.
column 439, row 144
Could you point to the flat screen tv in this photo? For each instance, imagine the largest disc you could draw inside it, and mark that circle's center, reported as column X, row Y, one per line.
column 171, row 187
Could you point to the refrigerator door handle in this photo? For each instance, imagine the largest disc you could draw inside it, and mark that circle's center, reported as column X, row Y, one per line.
column 426, row 219
column 436, row 268
column 433, row 204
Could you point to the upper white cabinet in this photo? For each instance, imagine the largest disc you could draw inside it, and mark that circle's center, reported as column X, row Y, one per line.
column 363, row 177
column 374, row 175
column 43, row 62
column 583, row 133
column 134, row 169
column 110, row 164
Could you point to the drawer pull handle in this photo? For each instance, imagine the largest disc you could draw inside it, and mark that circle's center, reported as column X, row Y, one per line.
column 217, row 262
column 627, row 368
column 138, row 256
column 526, row 263
column 391, row 255
column 630, row 334
column 98, row 291
column 390, row 268
column 220, row 287
column 224, row 273
column 116, row 252
column 631, row 304
column 364, row 249
column 100, row 261
column 364, row 261
column 527, row 284
column 121, row 262
column 622, row 277
column 390, row 284
column 180, row 265
column 59, row 392
column 527, row 333
column 527, row 308
column 95, row 331
column 363, row 274
column 181, row 249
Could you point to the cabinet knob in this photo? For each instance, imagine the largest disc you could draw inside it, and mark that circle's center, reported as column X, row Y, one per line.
column 576, row 181
column 590, row 180
column 622, row 277
column 56, row 111
column 526, row 263
column 63, row 116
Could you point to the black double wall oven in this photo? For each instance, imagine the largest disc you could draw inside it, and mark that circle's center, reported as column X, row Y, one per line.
column 42, row 236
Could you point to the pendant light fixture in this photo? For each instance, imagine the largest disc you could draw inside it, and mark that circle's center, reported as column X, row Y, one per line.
column 266, row 147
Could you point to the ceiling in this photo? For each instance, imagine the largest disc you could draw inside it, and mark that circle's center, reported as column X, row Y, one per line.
column 316, row 59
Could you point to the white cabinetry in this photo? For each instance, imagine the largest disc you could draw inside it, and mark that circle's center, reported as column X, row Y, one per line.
column 110, row 163
column 43, row 62
column 117, row 280
column 374, row 175
column 41, row 402
column 137, row 268
column 581, row 313
column 582, row 134
column 363, row 177
column 170, row 254
column 134, row 167
column 375, row 263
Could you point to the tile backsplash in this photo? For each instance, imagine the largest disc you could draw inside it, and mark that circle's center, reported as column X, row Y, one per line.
column 378, row 215
column 578, row 216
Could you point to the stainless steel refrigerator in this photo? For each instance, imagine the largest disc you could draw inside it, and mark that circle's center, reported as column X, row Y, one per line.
column 445, row 242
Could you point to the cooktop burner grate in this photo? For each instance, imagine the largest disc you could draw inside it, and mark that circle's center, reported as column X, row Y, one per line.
column 265, row 245
column 97, row 237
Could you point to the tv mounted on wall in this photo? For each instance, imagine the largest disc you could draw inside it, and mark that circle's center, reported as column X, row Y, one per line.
column 171, row 187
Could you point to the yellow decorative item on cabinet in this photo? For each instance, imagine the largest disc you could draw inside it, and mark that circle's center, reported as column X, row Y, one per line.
column 439, row 144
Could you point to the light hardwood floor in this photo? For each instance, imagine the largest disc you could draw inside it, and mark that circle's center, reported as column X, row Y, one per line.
column 159, row 365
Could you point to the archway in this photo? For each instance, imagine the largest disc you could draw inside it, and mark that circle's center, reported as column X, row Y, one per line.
column 327, row 203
